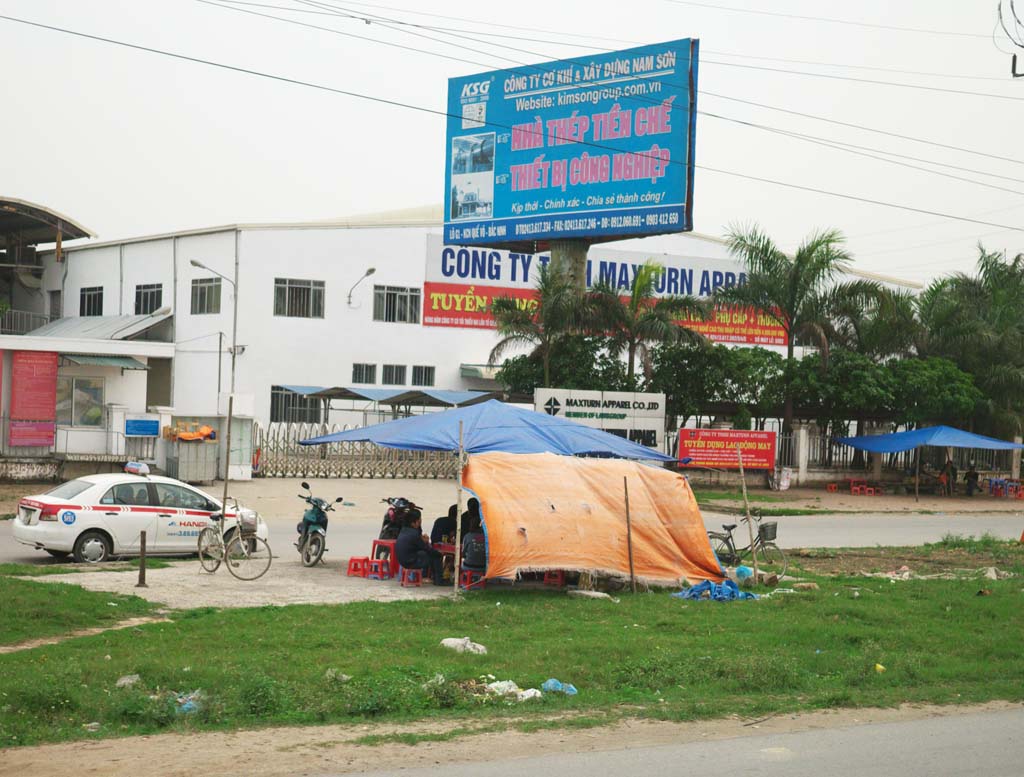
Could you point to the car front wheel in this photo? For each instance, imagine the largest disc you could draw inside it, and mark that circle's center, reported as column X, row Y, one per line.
column 92, row 547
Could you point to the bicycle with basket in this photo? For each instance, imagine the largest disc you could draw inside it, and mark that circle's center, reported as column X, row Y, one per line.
column 770, row 558
column 246, row 556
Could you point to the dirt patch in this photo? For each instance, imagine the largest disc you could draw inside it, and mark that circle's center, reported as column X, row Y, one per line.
column 126, row 624
column 852, row 561
column 270, row 752
column 818, row 499
column 184, row 585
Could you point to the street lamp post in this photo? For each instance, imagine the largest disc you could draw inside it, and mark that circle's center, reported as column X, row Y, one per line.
column 369, row 271
column 231, row 396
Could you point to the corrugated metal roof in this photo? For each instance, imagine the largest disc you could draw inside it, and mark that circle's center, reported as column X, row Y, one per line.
column 124, row 362
column 99, row 327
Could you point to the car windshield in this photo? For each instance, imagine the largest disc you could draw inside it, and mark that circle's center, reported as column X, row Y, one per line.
column 69, row 490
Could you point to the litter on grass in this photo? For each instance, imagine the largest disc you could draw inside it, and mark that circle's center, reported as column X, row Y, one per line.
column 463, row 645
column 726, row 591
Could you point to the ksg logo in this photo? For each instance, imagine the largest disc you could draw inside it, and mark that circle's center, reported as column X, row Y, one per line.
column 476, row 89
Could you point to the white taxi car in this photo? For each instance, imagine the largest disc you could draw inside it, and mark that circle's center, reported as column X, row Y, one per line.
column 99, row 516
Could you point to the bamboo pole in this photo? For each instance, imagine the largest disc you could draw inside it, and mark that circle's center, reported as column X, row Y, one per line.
column 629, row 535
column 458, row 520
column 746, row 508
column 917, row 475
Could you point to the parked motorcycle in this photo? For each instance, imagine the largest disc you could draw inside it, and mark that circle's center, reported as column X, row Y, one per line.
column 399, row 511
column 313, row 527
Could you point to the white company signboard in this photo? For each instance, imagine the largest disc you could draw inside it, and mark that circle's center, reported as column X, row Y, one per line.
column 637, row 417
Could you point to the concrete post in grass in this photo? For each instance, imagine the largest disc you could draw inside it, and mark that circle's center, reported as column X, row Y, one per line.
column 1015, row 461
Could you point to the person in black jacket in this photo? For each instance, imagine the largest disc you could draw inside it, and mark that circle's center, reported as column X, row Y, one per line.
column 445, row 526
column 413, row 551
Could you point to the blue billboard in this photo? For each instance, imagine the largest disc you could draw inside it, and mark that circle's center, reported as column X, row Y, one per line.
column 598, row 148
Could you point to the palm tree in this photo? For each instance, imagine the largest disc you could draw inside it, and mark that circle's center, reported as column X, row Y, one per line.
column 877, row 325
column 799, row 292
column 634, row 322
column 540, row 324
column 977, row 321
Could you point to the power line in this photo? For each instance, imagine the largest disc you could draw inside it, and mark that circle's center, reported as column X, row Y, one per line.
column 378, row 19
column 929, row 224
column 876, row 82
column 807, row 138
column 724, row 97
column 851, row 150
column 828, row 20
column 705, row 93
column 433, row 111
column 486, row 33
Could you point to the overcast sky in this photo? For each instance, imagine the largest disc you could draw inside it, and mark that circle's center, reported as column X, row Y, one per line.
column 131, row 143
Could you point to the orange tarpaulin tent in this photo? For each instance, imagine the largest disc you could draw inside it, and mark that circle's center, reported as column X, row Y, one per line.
column 543, row 511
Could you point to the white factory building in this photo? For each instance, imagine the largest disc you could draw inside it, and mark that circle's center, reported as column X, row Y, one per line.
column 143, row 326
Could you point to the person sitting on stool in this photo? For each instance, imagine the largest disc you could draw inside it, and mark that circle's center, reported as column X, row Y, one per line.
column 474, row 547
column 413, row 551
column 445, row 526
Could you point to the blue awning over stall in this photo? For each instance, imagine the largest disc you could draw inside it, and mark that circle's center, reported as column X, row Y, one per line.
column 494, row 426
column 937, row 436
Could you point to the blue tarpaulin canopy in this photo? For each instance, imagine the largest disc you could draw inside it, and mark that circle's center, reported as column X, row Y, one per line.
column 494, row 426
column 938, row 436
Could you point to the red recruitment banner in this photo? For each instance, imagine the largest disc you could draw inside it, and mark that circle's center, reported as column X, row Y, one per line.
column 467, row 305
column 717, row 448
column 34, row 386
column 36, row 434
column 738, row 325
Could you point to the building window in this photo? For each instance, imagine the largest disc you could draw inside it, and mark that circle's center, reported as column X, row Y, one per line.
column 298, row 299
column 288, row 407
column 364, row 373
column 80, row 401
column 149, row 298
column 396, row 303
column 423, row 376
column 394, row 375
column 91, row 301
column 56, row 306
column 205, row 296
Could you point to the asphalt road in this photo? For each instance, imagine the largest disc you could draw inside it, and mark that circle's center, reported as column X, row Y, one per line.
column 349, row 536
column 973, row 745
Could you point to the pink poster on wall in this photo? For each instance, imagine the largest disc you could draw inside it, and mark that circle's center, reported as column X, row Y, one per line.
column 33, row 398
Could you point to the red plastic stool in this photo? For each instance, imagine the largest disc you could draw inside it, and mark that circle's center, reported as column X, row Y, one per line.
column 470, row 579
column 869, row 491
column 832, row 488
column 856, row 490
column 379, row 569
column 555, row 577
column 410, row 578
column 358, row 566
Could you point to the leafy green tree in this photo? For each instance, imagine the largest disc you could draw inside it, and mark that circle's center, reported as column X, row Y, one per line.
column 852, row 387
column 540, row 324
column 800, row 292
column 577, row 362
column 695, row 377
column 640, row 320
column 932, row 390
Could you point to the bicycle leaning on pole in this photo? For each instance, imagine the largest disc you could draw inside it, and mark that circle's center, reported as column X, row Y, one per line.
column 770, row 558
column 246, row 556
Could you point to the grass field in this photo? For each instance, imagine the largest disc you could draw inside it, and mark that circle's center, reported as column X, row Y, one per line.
column 648, row 655
column 31, row 610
